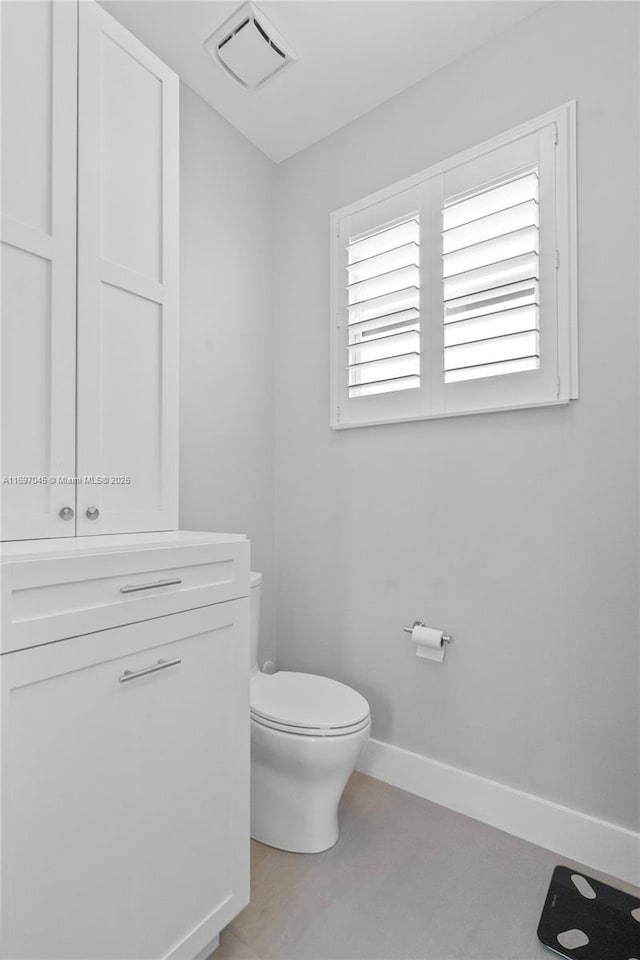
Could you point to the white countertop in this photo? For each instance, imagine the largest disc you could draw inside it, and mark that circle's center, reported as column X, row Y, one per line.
column 13, row 550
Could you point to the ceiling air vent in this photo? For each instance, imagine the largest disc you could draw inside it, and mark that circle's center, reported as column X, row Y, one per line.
column 249, row 48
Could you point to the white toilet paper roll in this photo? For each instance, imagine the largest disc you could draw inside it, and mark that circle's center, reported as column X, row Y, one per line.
column 428, row 643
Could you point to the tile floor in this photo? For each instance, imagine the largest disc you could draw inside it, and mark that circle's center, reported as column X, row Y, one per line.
column 408, row 880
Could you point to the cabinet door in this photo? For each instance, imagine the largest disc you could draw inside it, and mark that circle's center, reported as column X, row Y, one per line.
column 38, row 234
column 125, row 827
column 127, row 281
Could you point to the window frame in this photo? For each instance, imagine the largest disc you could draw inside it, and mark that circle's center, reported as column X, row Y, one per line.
column 473, row 396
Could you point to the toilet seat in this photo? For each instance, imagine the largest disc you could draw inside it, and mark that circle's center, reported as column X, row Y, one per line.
column 310, row 731
column 307, row 705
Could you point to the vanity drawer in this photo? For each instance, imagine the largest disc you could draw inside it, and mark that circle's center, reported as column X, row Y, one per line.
column 51, row 599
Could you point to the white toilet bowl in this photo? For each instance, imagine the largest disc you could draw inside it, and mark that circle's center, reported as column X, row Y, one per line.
column 307, row 733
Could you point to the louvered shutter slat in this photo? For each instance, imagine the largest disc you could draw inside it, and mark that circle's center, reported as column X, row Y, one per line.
column 408, row 341
column 515, row 320
column 492, row 369
column 405, row 299
column 499, row 197
column 383, row 307
column 496, row 225
column 385, row 283
column 491, row 251
column 387, row 368
column 385, row 239
column 492, row 350
column 392, row 385
column 500, row 274
column 491, row 301
column 403, row 256
column 388, row 322
column 490, row 281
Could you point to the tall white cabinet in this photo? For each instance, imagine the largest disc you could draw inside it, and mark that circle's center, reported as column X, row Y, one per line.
column 124, row 643
column 89, row 275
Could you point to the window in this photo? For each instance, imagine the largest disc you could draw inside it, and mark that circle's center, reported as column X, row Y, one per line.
column 454, row 291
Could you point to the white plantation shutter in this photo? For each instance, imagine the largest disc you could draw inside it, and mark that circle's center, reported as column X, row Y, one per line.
column 379, row 348
column 490, row 244
column 494, row 310
column 383, row 306
column 454, row 291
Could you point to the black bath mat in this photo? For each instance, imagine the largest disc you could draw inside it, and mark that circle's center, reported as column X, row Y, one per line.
column 584, row 919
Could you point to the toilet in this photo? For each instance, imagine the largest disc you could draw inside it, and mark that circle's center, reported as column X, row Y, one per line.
column 307, row 733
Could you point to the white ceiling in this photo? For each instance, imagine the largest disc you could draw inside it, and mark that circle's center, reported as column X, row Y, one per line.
column 352, row 56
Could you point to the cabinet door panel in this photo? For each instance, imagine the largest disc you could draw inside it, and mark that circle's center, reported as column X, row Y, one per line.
column 127, row 291
column 27, row 121
column 66, row 813
column 131, row 156
column 38, row 233
column 26, row 427
column 125, row 805
column 131, row 385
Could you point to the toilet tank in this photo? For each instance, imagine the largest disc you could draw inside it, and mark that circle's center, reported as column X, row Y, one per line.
column 255, row 581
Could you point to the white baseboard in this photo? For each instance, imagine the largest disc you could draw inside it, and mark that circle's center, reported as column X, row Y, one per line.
column 596, row 843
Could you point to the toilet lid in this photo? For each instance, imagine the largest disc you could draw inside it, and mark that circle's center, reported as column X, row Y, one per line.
column 306, row 701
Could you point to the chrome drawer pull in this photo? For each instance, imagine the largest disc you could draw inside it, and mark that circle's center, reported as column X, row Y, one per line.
column 135, row 587
column 160, row 665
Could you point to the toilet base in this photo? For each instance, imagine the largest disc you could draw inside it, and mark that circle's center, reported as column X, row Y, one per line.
column 296, row 786
column 286, row 841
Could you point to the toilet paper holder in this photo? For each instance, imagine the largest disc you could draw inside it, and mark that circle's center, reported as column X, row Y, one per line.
column 446, row 637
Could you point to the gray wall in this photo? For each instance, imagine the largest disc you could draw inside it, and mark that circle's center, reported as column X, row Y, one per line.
column 517, row 531
column 226, row 343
